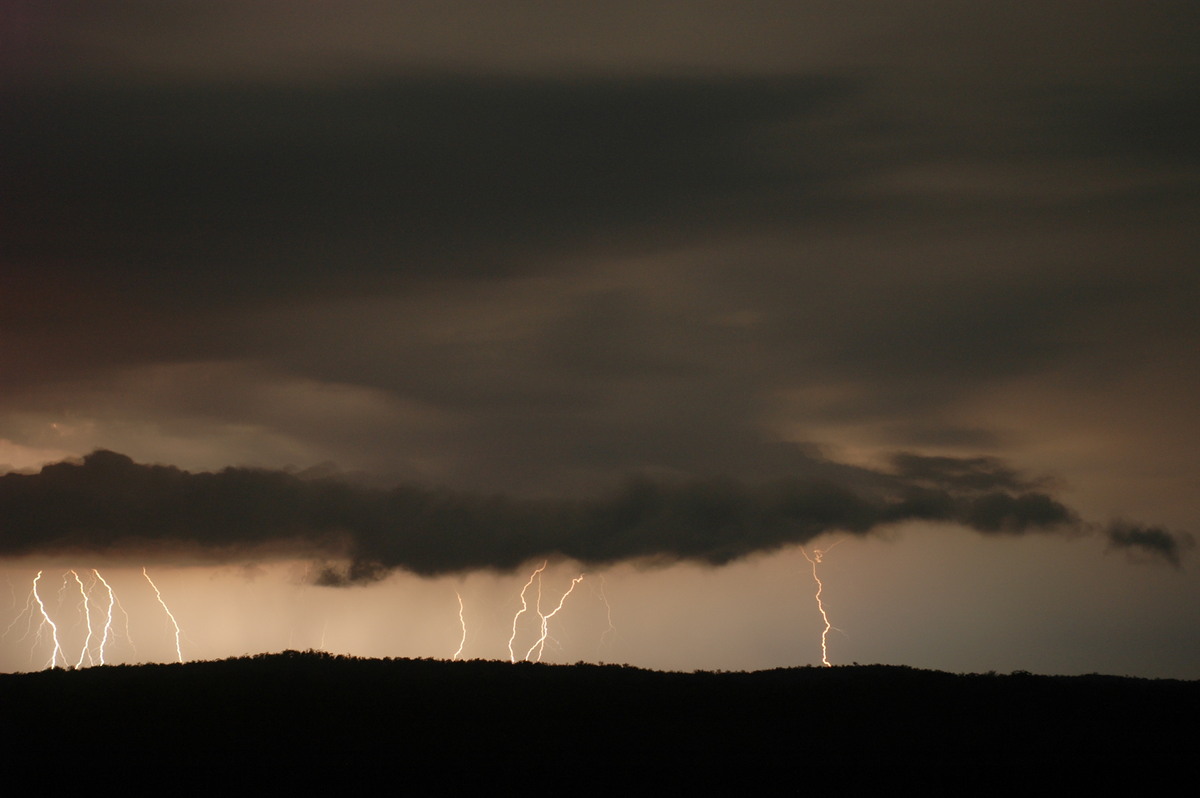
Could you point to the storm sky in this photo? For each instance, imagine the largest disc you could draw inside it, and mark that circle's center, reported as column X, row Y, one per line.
column 662, row 287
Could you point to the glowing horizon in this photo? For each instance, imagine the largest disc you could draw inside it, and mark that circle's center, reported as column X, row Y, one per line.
column 673, row 618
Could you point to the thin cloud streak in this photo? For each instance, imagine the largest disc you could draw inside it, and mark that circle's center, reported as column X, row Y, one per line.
column 1152, row 541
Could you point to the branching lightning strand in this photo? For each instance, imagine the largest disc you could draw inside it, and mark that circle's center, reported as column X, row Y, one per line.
column 611, row 630
column 813, row 560
column 87, row 615
column 540, row 645
column 512, row 657
column 47, row 621
column 178, row 649
column 112, row 600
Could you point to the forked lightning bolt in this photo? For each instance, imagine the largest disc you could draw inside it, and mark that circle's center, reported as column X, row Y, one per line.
column 178, row 649
column 512, row 657
column 27, row 613
column 98, row 639
column 540, row 645
column 46, row 621
column 813, row 560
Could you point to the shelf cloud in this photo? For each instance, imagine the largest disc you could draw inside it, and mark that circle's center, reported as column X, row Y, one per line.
column 109, row 504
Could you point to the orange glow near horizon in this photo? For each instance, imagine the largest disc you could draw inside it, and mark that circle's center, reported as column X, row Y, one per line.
column 272, row 606
column 680, row 617
column 202, row 612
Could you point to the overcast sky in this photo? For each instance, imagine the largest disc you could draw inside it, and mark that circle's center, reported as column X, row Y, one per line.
column 791, row 270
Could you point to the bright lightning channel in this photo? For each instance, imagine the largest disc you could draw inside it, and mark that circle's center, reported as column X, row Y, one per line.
column 87, row 614
column 112, row 600
column 178, row 649
column 540, row 645
column 46, row 621
column 462, row 622
column 512, row 657
column 813, row 560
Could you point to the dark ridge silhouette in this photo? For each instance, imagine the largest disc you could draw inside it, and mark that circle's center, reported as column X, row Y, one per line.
column 308, row 718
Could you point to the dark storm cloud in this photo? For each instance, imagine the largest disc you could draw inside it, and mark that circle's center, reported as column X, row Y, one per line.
column 196, row 193
column 964, row 473
column 109, row 504
column 168, row 187
column 191, row 208
column 940, row 201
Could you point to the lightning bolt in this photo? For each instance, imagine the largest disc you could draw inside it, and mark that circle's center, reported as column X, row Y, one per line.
column 87, row 614
column 540, row 645
column 112, row 600
column 128, row 636
column 178, row 649
column 813, row 560
column 512, row 657
column 611, row 630
column 46, row 621
column 26, row 612
column 463, row 622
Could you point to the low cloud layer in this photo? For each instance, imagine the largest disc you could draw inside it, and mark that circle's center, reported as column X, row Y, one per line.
column 108, row 504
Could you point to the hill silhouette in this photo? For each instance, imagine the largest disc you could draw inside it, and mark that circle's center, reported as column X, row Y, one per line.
column 313, row 718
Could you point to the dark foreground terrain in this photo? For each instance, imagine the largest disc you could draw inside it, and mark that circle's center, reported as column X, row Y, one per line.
column 303, row 720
